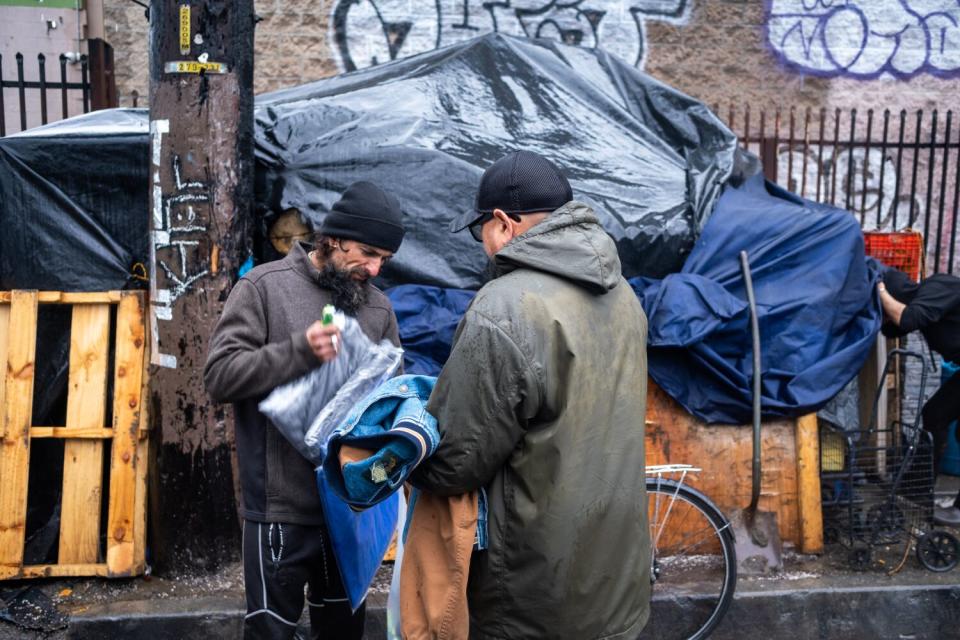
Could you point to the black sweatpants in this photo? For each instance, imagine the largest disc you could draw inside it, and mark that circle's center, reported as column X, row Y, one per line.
column 278, row 561
column 941, row 409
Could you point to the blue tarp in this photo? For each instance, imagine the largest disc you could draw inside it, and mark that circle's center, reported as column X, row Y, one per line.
column 362, row 537
column 428, row 318
column 818, row 311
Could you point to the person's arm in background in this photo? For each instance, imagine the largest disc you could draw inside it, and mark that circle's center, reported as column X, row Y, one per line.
column 482, row 401
column 932, row 302
column 240, row 363
column 892, row 308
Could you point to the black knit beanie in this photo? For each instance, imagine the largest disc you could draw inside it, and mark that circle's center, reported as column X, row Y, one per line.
column 367, row 214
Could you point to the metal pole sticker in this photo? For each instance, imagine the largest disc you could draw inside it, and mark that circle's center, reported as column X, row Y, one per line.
column 189, row 66
column 184, row 29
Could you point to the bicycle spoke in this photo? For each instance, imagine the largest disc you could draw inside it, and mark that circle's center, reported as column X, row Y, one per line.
column 693, row 559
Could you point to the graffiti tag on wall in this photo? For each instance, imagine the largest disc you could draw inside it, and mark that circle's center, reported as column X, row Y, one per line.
column 867, row 38
column 866, row 179
column 370, row 32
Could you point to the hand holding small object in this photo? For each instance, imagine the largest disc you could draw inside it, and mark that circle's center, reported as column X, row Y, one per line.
column 324, row 340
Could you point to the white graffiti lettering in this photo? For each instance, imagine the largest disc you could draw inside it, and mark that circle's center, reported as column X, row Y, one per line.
column 866, row 180
column 867, row 38
column 370, row 32
column 172, row 248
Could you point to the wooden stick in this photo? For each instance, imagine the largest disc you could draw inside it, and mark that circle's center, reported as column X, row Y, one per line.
column 808, row 485
column 65, row 297
column 86, row 410
column 127, row 389
column 18, row 409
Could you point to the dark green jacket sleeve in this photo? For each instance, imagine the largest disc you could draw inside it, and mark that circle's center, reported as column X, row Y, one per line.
column 483, row 400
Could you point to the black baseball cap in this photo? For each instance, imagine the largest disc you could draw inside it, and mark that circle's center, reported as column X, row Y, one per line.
column 519, row 182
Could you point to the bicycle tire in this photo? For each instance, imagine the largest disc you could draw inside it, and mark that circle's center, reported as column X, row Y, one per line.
column 688, row 609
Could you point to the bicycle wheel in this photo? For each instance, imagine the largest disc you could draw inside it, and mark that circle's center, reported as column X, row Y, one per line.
column 694, row 563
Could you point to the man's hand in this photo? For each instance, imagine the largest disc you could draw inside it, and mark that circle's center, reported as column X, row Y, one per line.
column 324, row 340
column 892, row 307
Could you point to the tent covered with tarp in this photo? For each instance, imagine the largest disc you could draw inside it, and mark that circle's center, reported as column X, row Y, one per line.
column 73, row 203
column 649, row 160
column 653, row 163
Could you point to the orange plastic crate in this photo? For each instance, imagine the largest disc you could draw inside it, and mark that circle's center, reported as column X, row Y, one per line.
column 901, row 250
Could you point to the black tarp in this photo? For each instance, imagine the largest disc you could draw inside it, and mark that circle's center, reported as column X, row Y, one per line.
column 74, row 203
column 74, row 195
column 650, row 160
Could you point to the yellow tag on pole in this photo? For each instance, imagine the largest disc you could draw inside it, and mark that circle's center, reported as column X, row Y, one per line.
column 184, row 29
column 189, row 66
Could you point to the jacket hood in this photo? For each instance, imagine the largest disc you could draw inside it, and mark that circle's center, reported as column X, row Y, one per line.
column 571, row 244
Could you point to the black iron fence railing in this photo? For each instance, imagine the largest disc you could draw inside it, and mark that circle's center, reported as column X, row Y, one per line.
column 893, row 170
column 96, row 87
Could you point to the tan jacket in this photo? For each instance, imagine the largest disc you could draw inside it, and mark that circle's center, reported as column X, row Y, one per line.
column 435, row 568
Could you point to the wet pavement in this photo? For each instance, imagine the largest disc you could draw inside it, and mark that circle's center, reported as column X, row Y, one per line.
column 814, row 597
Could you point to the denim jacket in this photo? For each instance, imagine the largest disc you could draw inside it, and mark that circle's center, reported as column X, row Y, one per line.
column 393, row 422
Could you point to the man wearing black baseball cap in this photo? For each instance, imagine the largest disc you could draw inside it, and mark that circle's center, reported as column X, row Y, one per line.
column 270, row 333
column 541, row 403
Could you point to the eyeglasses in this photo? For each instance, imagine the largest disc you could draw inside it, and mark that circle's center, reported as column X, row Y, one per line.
column 476, row 227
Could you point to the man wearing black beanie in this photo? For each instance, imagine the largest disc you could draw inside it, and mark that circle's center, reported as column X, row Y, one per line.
column 270, row 333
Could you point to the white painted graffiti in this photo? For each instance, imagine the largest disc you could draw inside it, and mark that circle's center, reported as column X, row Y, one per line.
column 370, row 32
column 173, row 244
column 178, row 220
column 867, row 38
column 866, row 180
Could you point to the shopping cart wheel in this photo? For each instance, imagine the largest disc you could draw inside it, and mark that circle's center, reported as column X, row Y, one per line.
column 938, row 551
column 859, row 558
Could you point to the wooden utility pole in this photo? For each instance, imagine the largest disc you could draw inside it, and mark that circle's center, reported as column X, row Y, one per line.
column 201, row 125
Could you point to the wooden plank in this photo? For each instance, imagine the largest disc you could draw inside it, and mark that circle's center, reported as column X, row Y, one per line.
column 809, row 509
column 71, row 434
column 4, row 334
column 86, row 409
column 66, row 297
column 54, row 571
column 127, row 390
column 725, row 453
column 18, row 409
column 143, row 463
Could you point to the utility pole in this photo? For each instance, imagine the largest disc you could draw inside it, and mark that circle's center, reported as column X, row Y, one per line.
column 201, row 179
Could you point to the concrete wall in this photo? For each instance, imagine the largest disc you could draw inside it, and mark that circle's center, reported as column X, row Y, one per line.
column 32, row 30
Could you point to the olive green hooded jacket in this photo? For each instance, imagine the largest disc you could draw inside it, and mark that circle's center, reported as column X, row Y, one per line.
column 542, row 402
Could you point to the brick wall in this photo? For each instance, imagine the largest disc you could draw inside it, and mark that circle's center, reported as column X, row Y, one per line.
column 720, row 51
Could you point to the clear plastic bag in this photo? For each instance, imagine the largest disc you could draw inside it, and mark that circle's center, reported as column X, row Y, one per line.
column 308, row 409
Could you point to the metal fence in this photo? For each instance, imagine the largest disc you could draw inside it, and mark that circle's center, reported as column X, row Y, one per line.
column 893, row 170
column 96, row 87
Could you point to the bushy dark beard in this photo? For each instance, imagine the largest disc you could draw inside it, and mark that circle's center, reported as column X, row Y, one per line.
column 348, row 294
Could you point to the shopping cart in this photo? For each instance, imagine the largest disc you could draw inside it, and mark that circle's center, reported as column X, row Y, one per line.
column 878, row 490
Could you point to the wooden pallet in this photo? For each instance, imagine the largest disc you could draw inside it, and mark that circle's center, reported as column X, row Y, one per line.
column 790, row 485
column 84, row 433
